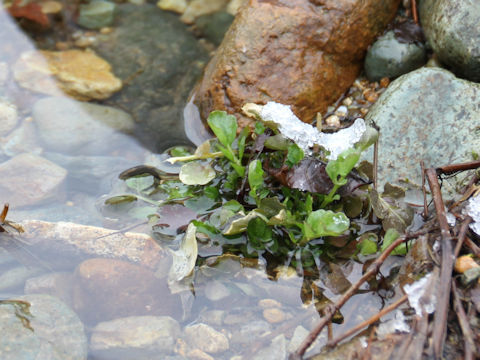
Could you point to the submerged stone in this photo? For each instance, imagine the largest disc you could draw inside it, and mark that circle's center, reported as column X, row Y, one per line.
column 40, row 327
column 8, row 117
column 388, row 57
column 96, row 14
column 29, row 179
column 428, row 115
column 16, row 277
column 159, row 61
column 214, row 26
column 80, row 74
column 451, row 28
column 135, row 337
column 299, row 53
column 206, row 338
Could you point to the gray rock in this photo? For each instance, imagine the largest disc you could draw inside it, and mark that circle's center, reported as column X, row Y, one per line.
column 388, row 57
column 276, row 351
column 206, row 338
column 451, row 28
column 96, row 14
column 16, row 277
column 29, row 179
column 159, row 61
column 135, row 337
column 214, row 26
column 70, row 126
column 8, row 116
column 91, row 174
column 40, row 327
column 20, row 140
column 429, row 115
column 58, row 284
column 251, row 331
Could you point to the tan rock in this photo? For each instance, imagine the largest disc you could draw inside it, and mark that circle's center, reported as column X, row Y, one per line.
column 105, row 289
column 51, row 7
column 234, row 5
column 199, row 355
column 274, row 315
column 80, row 74
column 206, row 338
column 300, row 54
column 269, row 303
column 28, row 179
column 178, row 6
column 198, row 8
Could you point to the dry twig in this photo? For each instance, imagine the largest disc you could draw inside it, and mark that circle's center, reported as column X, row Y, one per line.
column 469, row 343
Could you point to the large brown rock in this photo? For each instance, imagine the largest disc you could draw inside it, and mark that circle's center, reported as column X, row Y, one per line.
column 304, row 53
column 105, row 289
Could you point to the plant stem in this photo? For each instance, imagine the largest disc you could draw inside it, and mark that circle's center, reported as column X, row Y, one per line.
column 217, row 154
column 327, row 200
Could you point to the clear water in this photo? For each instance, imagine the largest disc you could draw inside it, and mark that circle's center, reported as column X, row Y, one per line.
column 228, row 295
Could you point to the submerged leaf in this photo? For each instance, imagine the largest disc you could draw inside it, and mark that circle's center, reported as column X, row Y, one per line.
column 239, row 225
column 259, row 233
column 394, row 213
column 140, row 183
column 185, row 257
column 196, row 173
column 120, row 199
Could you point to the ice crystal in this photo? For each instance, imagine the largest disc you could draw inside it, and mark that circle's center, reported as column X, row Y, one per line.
column 393, row 325
column 473, row 210
column 305, row 135
column 419, row 298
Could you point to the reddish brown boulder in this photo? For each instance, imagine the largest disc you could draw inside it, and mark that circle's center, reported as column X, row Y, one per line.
column 105, row 289
column 304, row 53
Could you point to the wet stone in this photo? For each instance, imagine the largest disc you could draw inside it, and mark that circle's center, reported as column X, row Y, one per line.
column 46, row 329
column 58, row 284
column 429, row 115
column 274, row 315
column 16, row 277
column 29, row 179
column 206, row 338
column 105, row 289
column 197, row 354
column 276, row 350
column 8, row 117
column 136, row 337
column 96, row 14
column 198, row 8
column 80, row 74
column 214, row 26
column 70, row 126
column 451, row 28
column 178, row 6
column 159, row 60
column 388, row 57
column 23, row 139
column 251, row 331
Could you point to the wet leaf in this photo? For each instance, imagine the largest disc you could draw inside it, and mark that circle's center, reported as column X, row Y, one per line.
column 185, row 257
column 338, row 169
column 259, row 128
column 395, row 214
column 233, row 205
column 204, row 148
column 352, row 206
column 140, row 183
column 239, row 225
column 277, row 142
column 255, row 176
column 196, row 173
column 390, row 236
column 179, row 151
column 325, row 223
column 143, row 212
column 120, row 199
column 259, row 233
column 270, row 206
column 367, row 244
column 224, row 126
column 369, row 137
column 220, row 217
column 294, row 155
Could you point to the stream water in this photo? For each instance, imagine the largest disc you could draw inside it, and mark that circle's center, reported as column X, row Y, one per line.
column 73, row 165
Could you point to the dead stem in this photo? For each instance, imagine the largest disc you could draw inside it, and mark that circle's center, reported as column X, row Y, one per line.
column 446, row 267
column 368, row 322
column 462, row 234
column 414, row 11
column 469, row 343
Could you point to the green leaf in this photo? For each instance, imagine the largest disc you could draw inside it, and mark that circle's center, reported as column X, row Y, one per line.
column 277, row 142
column 239, row 225
column 143, row 212
column 259, row 233
column 211, row 192
column 204, row 148
column 308, row 204
column 255, row 175
column 233, row 205
column 224, row 126
column 270, row 206
column 120, row 199
column 259, row 128
column 140, row 183
column 294, row 155
column 239, row 169
column 338, row 169
column 196, row 173
column 325, row 223
column 369, row 137
column 220, row 217
column 367, row 244
column 390, row 236
column 179, row 151
column 241, row 142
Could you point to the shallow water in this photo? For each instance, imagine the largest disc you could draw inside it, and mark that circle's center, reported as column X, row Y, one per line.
column 233, row 296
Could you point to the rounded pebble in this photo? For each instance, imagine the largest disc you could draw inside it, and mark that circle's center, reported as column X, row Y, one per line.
column 274, row 315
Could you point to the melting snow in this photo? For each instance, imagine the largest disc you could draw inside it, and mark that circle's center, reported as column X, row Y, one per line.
column 305, row 135
column 418, row 298
column 396, row 324
column 473, row 210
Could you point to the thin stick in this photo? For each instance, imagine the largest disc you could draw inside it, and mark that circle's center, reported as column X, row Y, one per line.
column 453, row 168
column 462, row 234
column 472, row 246
column 424, row 189
column 368, row 322
column 332, row 309
column 366, row 353
column 414, row 11
column 375, row 165
column 446, row 267
column 469, row 343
